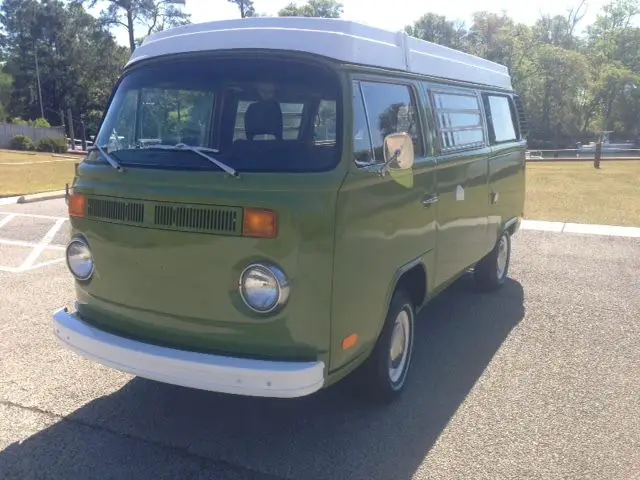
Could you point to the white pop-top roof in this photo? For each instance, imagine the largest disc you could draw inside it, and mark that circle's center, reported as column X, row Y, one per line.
column 339, row 39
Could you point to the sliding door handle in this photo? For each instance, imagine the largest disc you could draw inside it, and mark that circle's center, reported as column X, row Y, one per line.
column 429, row 200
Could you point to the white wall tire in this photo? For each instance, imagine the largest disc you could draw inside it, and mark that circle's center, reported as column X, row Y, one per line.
column 382, row 377
column 492, row 271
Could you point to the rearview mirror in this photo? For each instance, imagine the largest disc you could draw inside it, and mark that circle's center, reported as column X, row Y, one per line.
column 398, row 152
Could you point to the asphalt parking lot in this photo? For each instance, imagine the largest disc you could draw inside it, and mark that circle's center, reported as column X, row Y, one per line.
column 539, row 381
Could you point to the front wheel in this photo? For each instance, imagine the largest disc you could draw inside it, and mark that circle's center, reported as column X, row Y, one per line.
column 491, row 272
column 382, row 376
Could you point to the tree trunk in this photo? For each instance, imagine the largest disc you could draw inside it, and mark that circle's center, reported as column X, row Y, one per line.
column 132, row 41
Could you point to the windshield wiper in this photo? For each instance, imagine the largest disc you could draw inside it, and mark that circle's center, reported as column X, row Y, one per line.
column 200, row 151
column 112, row 161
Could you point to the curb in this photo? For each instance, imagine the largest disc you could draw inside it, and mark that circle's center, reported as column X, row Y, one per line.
column 584, row 228
column 9, row 200
column 36, row 197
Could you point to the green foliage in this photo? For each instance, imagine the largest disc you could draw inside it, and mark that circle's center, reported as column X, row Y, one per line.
column 22, row 142
column 314, row 8
column 78, row 59
column 37, row 123
column 40, row 123
column 55, row 145
column 437, row 29
column 19, row 121
column 146, row 16
column 246, row 7
column 6, row 86
column 573, row 87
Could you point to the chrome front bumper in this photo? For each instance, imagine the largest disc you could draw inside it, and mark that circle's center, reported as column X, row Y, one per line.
column 262, row 378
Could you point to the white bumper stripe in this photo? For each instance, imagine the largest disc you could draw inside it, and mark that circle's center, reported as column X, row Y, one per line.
column 263, row 378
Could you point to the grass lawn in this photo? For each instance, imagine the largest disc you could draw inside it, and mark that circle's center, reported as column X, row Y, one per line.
column 11, row 157
column 34, row 178
column 558, row 191
column 578, row 193
column 23, row 173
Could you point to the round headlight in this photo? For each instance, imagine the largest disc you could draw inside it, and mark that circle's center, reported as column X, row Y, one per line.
column 79, row 259
column 264, row 288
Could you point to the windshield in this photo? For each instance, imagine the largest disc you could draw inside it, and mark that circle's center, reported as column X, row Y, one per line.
column 251, row 114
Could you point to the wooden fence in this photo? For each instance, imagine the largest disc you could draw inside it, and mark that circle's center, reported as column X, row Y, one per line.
column 10, row 130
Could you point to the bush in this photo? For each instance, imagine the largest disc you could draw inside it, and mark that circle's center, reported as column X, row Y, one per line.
column 19, row 121
column 48, row 144
column 40, row 123
column 22, row 142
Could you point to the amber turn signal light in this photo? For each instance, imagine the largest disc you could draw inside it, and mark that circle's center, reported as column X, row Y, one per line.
column 259, row 223
column 350, row 341
column 77, row 205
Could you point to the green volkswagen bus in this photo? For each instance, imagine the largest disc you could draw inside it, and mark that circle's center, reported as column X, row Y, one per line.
column 270, row 202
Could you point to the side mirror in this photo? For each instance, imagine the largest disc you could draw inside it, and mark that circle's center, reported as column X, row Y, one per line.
column 398, row 152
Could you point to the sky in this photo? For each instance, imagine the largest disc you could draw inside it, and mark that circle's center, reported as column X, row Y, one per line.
column 404, row 12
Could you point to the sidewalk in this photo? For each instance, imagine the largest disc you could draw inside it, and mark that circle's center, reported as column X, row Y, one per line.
column 35, row 197
column 562, row 227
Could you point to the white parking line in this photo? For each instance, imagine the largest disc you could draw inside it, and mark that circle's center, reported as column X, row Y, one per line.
column 7, row 219
column 37, row 248
column 33, row 215
column 42, row 244
column 20, row 243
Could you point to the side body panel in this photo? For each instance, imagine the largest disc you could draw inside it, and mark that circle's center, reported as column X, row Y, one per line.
column 507, row 168
column 462, row 183
column 462, row 213
column 381, row 227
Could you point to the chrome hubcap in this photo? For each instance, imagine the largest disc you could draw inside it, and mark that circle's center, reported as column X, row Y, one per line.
column 399, row 346
column 502, row 256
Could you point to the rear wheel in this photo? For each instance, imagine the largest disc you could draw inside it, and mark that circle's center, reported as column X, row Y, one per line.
column 383, row 375
column 491, row 272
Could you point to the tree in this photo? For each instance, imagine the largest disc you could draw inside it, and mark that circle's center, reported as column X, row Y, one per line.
column 314, row 8
column 65, row 39
column 437, row 29
column 246, row 7
column 149, row 15
column 6, row 86
column 556, row 97
column 488, row 36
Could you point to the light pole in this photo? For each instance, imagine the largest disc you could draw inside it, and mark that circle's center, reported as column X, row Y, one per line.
column 35, row 51
column 38, row 79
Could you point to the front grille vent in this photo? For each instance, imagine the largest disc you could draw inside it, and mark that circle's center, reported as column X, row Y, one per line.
column 201, row 219
column 119, row 210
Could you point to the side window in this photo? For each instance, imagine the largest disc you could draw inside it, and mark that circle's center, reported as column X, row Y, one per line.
column 324, row 129
column 501, row 119
column 391, row 109
column 291, row 120
column 459, row 120
column 362, row 151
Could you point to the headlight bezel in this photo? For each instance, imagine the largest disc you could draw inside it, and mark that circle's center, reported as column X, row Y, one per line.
column 283, row 286
column 80, row 240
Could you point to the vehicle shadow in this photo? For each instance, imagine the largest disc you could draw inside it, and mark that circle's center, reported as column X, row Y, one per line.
column 327, row 435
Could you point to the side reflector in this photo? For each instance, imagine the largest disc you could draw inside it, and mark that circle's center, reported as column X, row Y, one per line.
column 77, row 205
column 350, row 341
column 259, row 223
